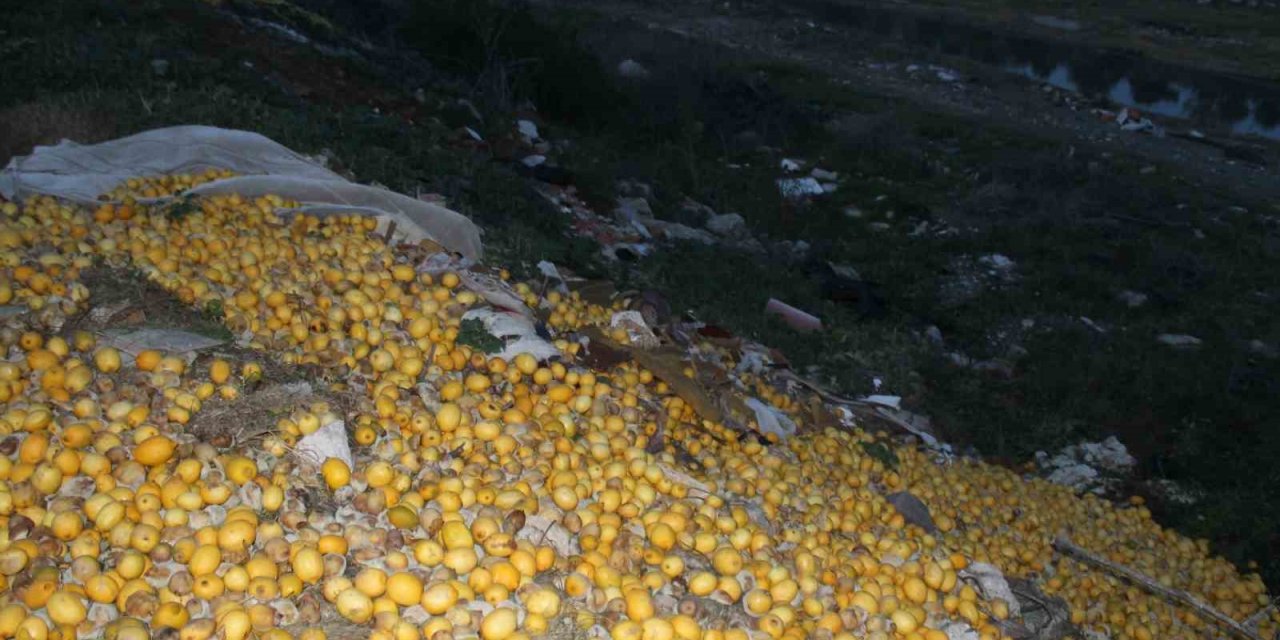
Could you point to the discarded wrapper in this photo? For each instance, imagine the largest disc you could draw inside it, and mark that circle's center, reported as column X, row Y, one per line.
column 329, row 441
column 795, row 318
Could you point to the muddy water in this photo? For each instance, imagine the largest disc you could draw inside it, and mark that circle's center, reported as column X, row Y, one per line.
column 1214, row 102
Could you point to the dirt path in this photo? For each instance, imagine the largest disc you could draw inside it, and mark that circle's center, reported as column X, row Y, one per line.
column 791, row 32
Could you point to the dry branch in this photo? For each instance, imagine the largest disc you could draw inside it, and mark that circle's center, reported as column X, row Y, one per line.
column 1064, row 545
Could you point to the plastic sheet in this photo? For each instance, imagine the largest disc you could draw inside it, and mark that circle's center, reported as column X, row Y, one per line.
column 83, row 173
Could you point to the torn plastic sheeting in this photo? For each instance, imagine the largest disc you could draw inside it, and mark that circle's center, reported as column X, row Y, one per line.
column 495, row 291
column 637, row 329
column 173, row 341
column 992, row 584
column 329, row 441
column 415, row 220
column 771, row 420
column 83, row 172
column 517, row 331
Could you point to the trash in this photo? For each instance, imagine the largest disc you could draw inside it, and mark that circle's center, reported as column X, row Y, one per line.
column 329, row 441
column 790, row 165
column 631, row 69
column 517, row 331
column 474, row 134
column 1129, row 119
column 533, row 160
column 913, row 510
column 631, row 210
column 771, row 420
column 549, row 270
column 1081, row 466
column 1054, row 22
column 993, row 585
column 172, row 341
column 819, row 173
column 1132, row 299
column 893, row 402
column 638, row 331
column 796, row 188
column 528, row 130
column 728, row 225
column 1179, row 340
column 852, row 212
column 795, row 318
column 998, row 261
column 84, row 172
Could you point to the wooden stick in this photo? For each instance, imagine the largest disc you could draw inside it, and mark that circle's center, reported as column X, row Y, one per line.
column 1064, row 545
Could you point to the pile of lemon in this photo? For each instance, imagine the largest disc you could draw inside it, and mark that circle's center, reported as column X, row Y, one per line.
column 488, row 498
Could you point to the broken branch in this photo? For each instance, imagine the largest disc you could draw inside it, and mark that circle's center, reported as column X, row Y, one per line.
column 1064, row 545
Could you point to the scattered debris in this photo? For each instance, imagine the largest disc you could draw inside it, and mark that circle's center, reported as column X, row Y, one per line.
column 795, row 318
column 631, row 69
column 329, row 441
column 528, row 130
column 518, row 333
column 1132, row 299
column 727, row 225
column 914, row 510
column 797, row 188
column 1091, row 467
column 1179, row 340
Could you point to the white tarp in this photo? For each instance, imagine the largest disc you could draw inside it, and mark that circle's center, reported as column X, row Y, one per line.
column 83, row 172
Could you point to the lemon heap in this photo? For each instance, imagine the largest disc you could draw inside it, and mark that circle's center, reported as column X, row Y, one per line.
column 488, row 498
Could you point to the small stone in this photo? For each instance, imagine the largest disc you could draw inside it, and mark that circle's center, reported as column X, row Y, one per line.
column 728, row 225
column 631, row 69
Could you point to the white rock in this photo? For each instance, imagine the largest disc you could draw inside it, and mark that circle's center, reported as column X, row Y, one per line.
column 527, row 129
column 632, row 209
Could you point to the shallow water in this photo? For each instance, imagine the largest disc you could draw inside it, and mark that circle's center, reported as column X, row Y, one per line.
column 1215, row 102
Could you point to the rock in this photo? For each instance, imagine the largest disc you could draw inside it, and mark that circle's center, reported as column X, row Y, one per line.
column 631, row 69
column 533, row 160
column 1179, row 340
column 697, row 210
column 998, row 262
column 934, row 335
column 913, row 510
column 1054, row 22
column 527, row 129
column 819, row 173
column 852, row 212
column 1260, row 348
column 634, row 189
column 160, row 67
column 1132, row 299
column 630, row 210
column 676, row 231
column 728, row 225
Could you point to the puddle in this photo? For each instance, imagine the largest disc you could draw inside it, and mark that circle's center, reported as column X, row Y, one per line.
column 1226, row 104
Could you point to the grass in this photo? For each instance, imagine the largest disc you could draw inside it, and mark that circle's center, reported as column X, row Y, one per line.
column 1080, row 227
